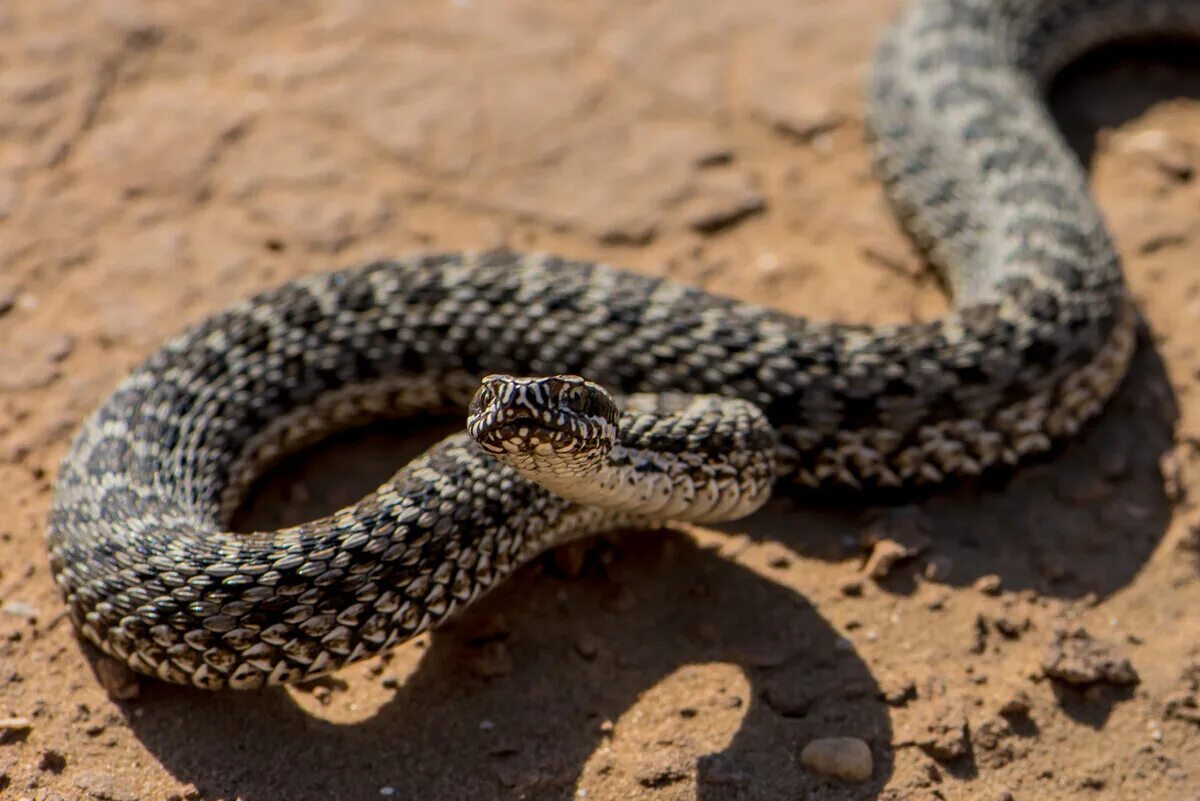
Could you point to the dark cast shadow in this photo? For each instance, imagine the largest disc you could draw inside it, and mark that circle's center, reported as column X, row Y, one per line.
column 1080, row 521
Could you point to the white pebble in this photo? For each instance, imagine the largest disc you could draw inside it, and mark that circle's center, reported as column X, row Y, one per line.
column 20, row 609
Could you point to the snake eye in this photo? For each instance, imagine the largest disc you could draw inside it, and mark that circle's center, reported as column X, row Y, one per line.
column 576, row 398
column 484, row 397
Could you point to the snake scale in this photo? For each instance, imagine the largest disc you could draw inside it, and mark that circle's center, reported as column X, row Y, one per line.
column 1040, row 335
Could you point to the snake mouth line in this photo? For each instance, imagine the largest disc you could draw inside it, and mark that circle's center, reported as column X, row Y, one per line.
column 523, row 432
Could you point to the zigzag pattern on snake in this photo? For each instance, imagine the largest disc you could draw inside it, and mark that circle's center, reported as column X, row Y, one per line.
column 1040, row 336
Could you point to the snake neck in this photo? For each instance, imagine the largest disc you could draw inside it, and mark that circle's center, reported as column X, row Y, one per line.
column 696, row 459
column 648, row 484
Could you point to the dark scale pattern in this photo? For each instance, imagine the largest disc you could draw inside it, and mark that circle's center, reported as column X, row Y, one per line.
column 1040, row 337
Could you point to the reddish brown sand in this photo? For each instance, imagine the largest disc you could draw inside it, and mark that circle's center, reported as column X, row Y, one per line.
column 161, row 160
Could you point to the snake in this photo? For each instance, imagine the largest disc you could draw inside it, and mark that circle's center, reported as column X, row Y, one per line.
column 600, row 398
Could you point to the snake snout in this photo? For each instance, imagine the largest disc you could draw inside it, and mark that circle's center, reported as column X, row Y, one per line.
column 546, row 418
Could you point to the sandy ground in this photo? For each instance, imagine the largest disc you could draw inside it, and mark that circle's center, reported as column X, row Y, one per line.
column 161, row 160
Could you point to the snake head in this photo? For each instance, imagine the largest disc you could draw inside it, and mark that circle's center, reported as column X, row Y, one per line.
column 560, row 424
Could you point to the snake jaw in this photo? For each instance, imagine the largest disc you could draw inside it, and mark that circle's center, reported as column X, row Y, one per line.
column 544, row 426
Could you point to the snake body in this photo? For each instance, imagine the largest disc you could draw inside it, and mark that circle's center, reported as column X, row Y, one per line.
column 1040, row 336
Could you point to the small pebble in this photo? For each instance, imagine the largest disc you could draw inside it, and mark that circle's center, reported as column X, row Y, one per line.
column 52, row 761
column 895, row 536
column 20, row 609
column 897, row 690
column 1017, row 704
column 846, row 758
column 884, row 557
column 1171, row 469
column 787, row 699
column 14, row 725
column 587, row 646
column 988, row 585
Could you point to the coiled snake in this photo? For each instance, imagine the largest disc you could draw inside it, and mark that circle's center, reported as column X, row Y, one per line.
column 1040, row 336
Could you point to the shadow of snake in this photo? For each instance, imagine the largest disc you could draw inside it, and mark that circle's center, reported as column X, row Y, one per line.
column 678, row 605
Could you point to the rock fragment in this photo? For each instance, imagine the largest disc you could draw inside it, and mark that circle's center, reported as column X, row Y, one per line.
column 896, row 689
column 942, row 723
column 725, row 199
column 895, row 536
column 1075, row 657
column 787, row 699
column 1170, row 466
column 1017, row 704
column 14, row 729
column 1184, row 703
column 587, row 645
column 945, row 735
column 52, row 761
column 845, row 758
column 104, row 787
column 662, row 770
column 988, row 585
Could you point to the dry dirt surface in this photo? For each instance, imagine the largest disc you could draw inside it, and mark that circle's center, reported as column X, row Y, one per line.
column 1029, row 637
